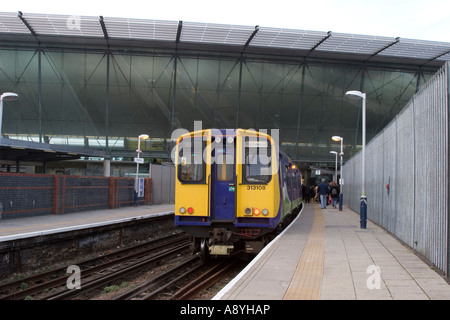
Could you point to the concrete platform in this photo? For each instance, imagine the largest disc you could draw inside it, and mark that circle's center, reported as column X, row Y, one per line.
column 12, row 229
column 324, row 255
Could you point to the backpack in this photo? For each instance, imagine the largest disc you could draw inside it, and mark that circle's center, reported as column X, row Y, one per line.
column 334, row 191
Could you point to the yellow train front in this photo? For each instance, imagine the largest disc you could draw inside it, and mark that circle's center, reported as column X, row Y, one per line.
column 233, row 189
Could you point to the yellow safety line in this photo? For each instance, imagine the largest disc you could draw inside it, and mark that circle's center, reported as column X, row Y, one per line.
column 306, row 283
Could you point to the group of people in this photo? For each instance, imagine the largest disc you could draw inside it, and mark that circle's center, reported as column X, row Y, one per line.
column 323, row 193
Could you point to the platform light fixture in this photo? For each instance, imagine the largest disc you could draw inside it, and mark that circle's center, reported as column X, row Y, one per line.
column 353, row 94
column 6, row 96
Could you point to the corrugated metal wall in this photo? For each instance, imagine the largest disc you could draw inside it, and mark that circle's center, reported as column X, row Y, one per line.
column 411, row 155
column 163, row 183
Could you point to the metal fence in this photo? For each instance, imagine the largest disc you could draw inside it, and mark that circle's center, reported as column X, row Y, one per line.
column 411, row 156
column 27, row 195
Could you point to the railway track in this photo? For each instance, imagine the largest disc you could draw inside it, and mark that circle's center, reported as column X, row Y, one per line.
column 186, row 277
column 206, row 280
column 154, row 286
column 95, row 272
column 172, row 284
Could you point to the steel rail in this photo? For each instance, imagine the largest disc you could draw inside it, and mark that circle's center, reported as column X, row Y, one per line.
column 93, row 284
column 205, row 281
column 146, row 286
column 116, row 258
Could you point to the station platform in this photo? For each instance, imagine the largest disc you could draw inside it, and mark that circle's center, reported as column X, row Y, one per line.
column 12, row 229
column 324, row 255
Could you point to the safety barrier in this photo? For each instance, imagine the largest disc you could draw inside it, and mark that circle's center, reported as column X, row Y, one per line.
column 407, row 178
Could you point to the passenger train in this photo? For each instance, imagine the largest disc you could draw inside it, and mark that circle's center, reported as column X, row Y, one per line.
column 234, row 189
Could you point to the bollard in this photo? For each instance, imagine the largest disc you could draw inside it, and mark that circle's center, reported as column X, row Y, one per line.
column 135, row 198
column 363, row 212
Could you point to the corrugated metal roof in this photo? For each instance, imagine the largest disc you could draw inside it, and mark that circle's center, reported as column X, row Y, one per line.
column 352, row 43
column 141, row 29
column 47, row 24
column 9, row 23
column 223, row 34
column 287, row 38
column 215, row 33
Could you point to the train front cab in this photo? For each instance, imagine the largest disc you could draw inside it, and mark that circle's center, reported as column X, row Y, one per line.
column 231, row 197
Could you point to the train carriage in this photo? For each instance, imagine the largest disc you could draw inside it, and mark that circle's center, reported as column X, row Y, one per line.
column 233, row 189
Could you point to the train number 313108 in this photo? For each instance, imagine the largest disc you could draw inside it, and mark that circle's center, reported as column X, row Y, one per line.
column 256, row 187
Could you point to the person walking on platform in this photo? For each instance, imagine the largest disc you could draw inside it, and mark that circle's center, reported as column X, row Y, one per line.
column 334, row 193
column 323, row 193
column 312, row 193
column 305, row 193
column 316, row 194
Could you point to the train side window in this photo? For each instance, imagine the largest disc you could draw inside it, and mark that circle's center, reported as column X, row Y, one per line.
column 191, row 167
column 288, row 177
column 294, row 181
column 257, row 166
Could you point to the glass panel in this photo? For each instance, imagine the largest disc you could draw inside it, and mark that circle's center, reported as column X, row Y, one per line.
column 140, row 96
column 224, row 169
column 207, row 91
column 64, row 98
column 191, row 167
column 257, row 164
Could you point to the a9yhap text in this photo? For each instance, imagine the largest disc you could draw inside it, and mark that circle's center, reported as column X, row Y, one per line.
column 233, row 309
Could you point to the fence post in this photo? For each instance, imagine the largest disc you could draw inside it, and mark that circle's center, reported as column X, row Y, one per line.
column 112, row 192
column 55, row 194
column 147, row 192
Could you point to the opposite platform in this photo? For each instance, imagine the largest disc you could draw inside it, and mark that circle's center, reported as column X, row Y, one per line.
column 325, row 255
column 11, row 229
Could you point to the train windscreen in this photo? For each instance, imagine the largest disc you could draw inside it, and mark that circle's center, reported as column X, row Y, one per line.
column 191, row 167
column 257, row 164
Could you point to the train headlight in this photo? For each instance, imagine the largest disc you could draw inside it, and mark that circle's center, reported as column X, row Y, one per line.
column 182, row 210
column 190, row 210
column 248, row 211
column 265, row 212
column 256, row 212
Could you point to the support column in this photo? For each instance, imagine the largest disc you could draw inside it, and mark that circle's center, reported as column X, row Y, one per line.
column 40, row 94
column 174, row 98
column 107, row 104
column 106, row 167
column 302, row 91
column 238, row 109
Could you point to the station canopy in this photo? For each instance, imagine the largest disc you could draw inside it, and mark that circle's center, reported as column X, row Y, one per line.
column 108, row 80
column 29, row 151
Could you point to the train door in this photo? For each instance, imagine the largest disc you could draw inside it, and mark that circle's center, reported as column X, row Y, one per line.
column 223, row 188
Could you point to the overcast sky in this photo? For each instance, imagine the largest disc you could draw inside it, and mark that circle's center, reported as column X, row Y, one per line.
column 412, row 19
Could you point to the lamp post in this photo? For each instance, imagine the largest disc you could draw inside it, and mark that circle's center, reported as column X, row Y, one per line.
column 138, row 160
column 335, row 164
column 363, row 203
column 7, row 96
column 341, row 182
